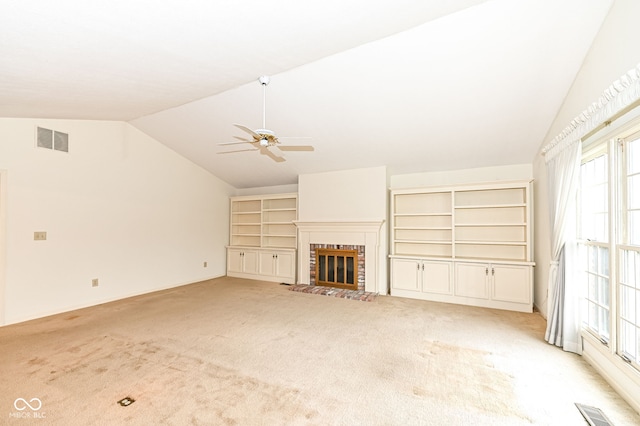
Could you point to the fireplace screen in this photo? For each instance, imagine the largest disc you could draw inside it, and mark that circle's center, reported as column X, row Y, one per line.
column 337, row 268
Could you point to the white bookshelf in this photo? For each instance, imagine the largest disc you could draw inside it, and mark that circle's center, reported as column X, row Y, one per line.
column 263, row 237
column 477, row 230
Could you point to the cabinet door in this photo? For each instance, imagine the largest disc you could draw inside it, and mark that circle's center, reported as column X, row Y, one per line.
column 436, row 277
column 405, row 274
column 472, row 280
column 267, row 263
column 234, row 260
column 511, row 283
column 285, row 265
column 250, row 260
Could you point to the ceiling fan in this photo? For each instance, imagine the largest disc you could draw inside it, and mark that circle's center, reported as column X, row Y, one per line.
column 263, row 139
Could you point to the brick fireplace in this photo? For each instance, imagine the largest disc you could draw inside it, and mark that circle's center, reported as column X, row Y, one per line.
column 365, row 236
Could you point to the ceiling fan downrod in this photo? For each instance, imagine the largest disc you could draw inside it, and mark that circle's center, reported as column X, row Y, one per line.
column 264, row 80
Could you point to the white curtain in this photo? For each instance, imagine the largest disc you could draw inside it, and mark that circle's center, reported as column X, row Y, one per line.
column 562, row 156
column 563, row 322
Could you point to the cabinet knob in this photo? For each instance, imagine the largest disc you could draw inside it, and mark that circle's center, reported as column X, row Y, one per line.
column 493, row 271
column 486, row 270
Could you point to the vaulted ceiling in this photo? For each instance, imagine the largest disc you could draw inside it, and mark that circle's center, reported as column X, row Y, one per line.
column 412, row 85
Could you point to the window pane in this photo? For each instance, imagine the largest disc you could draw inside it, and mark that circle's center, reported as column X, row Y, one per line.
column 592, row 280
column 603, row 261
column 628, row 343
column 633, row 195
column 593, row 218
column 603, row 322
column 633, row 219
column 603, row 290
column 627, row 303
column 633, row 156
column 629, row 290
column 593, row 259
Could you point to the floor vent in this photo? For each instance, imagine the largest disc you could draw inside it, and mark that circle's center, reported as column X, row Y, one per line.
column 125, row 402
column 593, row 416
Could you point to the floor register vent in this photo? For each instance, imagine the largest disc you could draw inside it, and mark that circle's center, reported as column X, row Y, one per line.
column 593, row 416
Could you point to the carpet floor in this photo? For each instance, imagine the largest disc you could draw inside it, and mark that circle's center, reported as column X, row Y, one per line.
column 237, row 352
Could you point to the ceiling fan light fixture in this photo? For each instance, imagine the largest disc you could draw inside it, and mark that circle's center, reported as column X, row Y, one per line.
column 264, row 142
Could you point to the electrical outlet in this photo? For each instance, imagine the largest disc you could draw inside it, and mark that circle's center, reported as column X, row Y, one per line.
column 39, row 236
column 94, row 282
column 205, row 264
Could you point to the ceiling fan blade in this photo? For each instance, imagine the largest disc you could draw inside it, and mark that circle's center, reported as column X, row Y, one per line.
column 265, row 151
column 234, row 143
column 248, row 130
column 243, row 139
column 296, row 148
column 239, row 150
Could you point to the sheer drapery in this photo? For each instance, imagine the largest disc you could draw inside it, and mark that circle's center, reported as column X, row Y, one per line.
column 562, row 156
column 563, row 322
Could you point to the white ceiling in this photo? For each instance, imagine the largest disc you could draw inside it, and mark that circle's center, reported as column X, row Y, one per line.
column 414, row 85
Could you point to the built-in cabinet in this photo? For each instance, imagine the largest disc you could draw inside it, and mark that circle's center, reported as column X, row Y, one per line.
column 467, row 244
column 263, row 238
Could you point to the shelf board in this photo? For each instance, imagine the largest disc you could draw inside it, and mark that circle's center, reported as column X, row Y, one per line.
column 423, row 228
column 280, row 210
column 279, row 235
column 444, row 242
column 414, row 256
column 278, row 223
column 423, row 214
column 245, row 235
column 490, row 206
column 492, row 260
column 492, row 243
column 488, row 225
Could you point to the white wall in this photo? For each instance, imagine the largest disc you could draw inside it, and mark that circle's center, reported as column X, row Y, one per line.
column 119, row 207
column 348, row 195
column 612, row 54
column 465, row 176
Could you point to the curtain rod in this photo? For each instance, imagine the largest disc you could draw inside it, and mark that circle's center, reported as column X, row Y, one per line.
column 611, row 119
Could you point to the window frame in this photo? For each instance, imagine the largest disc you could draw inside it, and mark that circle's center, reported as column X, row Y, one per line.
column 615, row 146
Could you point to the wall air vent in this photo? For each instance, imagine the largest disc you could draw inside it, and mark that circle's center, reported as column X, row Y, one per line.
column 52, row 139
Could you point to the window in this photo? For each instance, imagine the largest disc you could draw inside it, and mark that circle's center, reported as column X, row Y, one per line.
column 629, row 252
column 609, row 233
column 593, row 232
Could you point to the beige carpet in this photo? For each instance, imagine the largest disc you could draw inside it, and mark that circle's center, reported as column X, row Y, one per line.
column 238, row 352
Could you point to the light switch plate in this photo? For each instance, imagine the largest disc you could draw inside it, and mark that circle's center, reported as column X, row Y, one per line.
column 39, row 236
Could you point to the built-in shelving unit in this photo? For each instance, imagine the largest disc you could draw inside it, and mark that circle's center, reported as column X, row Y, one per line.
column 456, row 233
column 278, row 229
column 263, row 237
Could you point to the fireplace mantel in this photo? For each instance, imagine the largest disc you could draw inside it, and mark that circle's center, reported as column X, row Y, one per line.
column 365, row 233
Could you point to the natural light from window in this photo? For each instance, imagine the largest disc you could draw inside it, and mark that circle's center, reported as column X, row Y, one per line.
column 609, row 242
